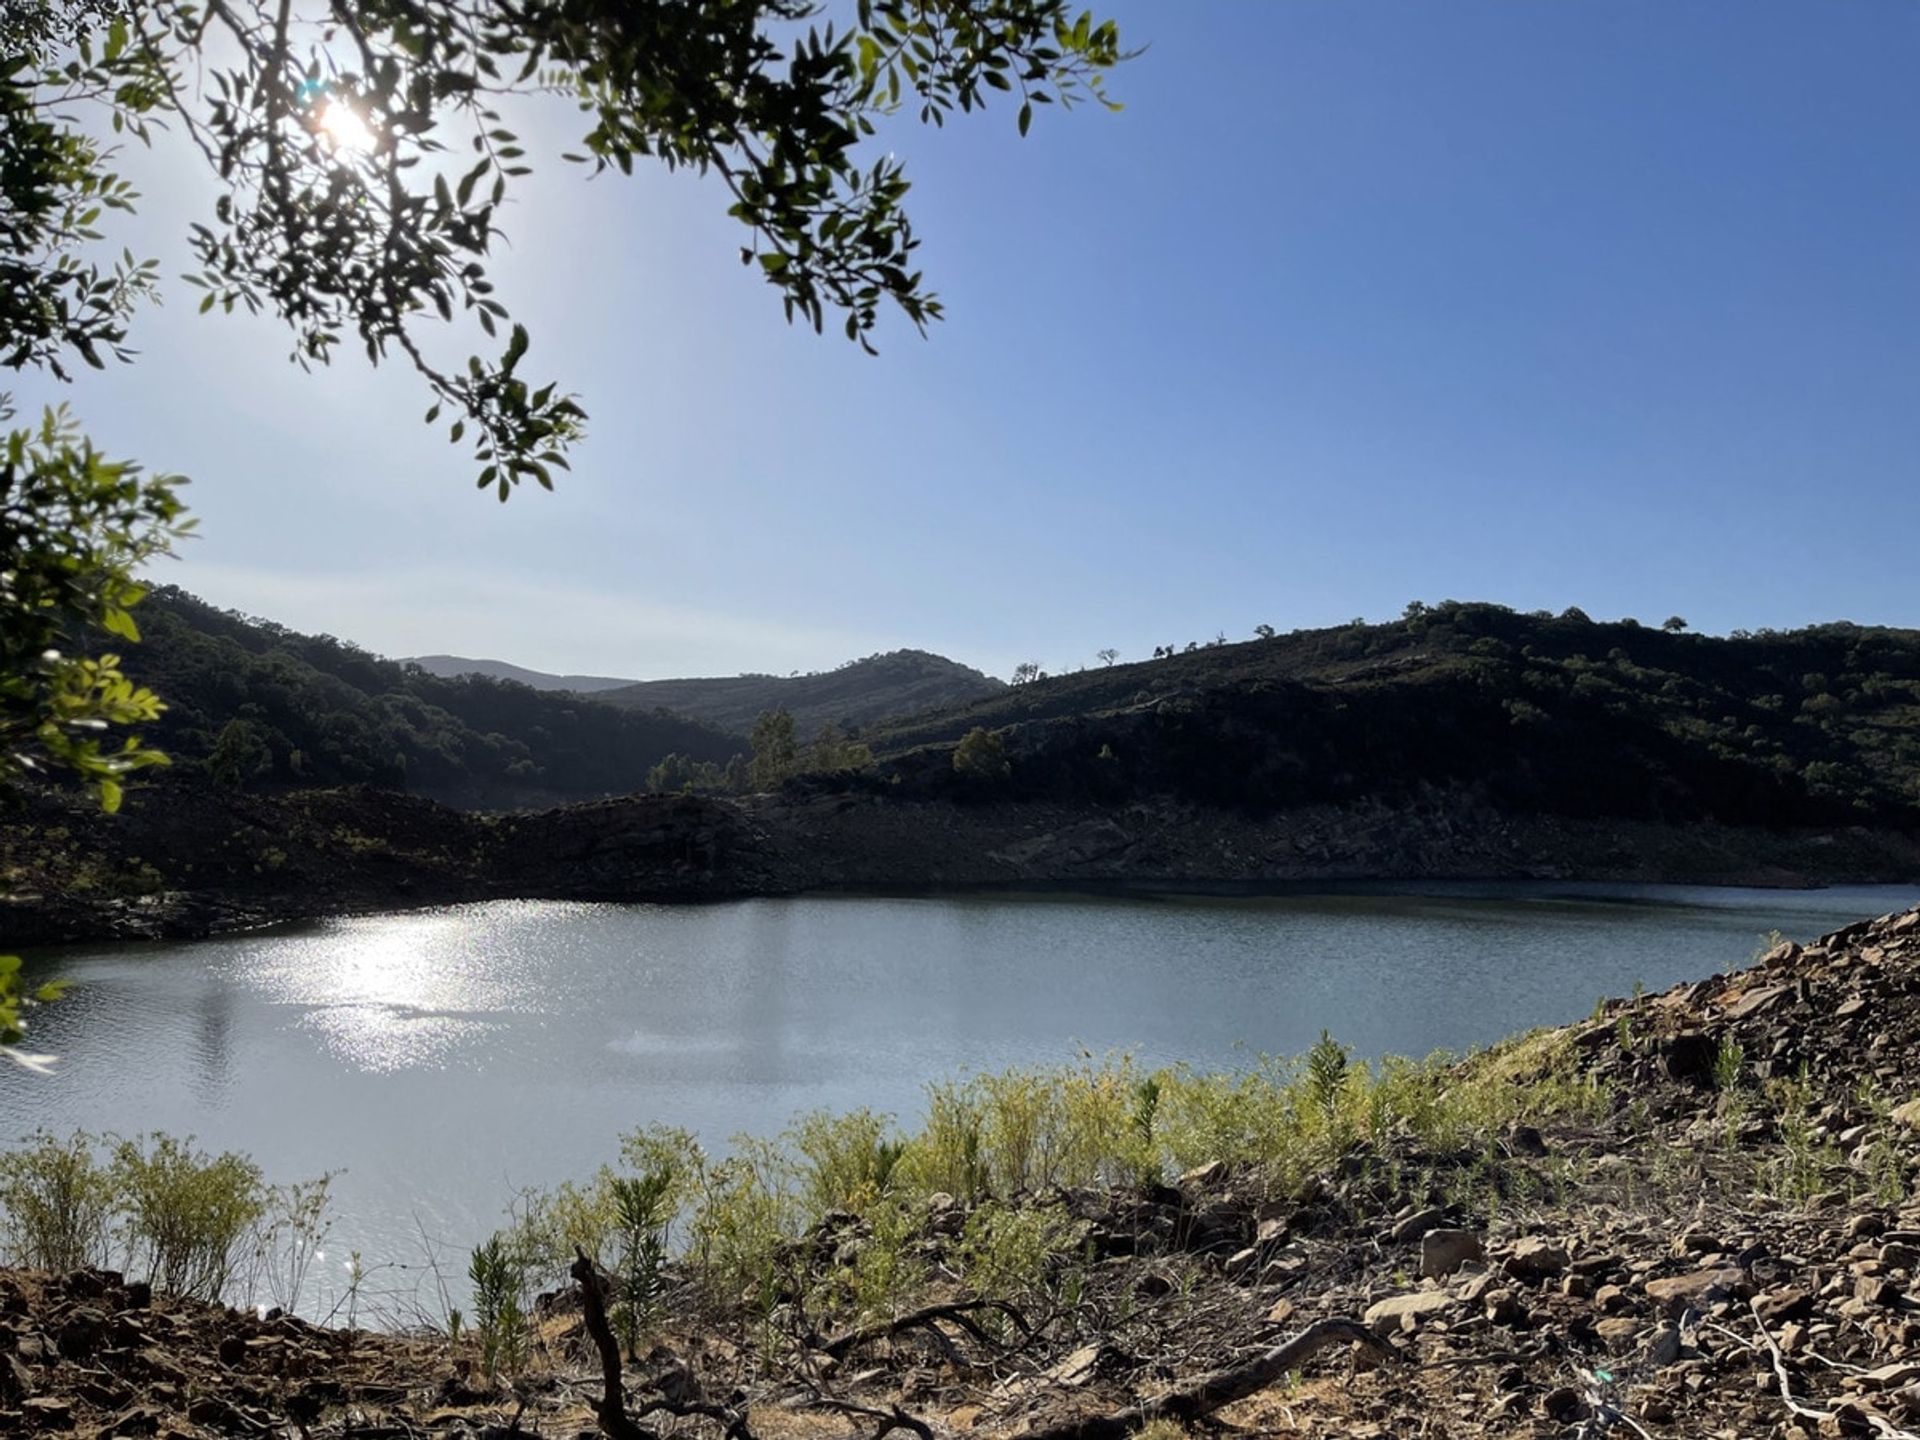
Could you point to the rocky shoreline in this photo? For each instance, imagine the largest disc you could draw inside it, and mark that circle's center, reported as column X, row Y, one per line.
column 180, row 862
column 1722, row 1238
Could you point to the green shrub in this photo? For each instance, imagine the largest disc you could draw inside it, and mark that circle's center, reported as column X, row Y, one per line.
column 498, row 1319
column 296, row 1229
column 1008, row 1253
column 186, row 1215
column 845, row 1162
column 981, row 757
column 644, row 1211
column 949, row 1153
column 57, row 1201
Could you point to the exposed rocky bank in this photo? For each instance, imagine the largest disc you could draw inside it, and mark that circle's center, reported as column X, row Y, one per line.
column 184, row 860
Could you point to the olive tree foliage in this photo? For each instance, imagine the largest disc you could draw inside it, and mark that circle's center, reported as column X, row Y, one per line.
column 365, row 151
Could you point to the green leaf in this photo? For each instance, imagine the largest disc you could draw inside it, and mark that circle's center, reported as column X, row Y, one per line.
column 1026, row 115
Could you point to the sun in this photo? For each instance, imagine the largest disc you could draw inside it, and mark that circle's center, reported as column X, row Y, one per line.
column 342, row 131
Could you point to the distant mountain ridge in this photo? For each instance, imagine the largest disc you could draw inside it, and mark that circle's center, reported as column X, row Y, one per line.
column 860, row 693
column 864, row 692
column 450, row 666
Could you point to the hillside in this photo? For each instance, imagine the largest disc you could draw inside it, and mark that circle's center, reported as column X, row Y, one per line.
column 859, row 693
column 306, row 710
column 450, row 666
column 1533, row 714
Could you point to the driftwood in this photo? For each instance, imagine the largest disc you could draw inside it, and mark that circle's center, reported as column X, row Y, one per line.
column 1880, row 1423
column 1221, row 1388
column 959, row 1313
column 610, row 1410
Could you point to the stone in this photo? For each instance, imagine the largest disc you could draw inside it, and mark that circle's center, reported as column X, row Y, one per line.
column 1877, row 1290
column 1444, row 1251
column 1609, row 1298
column 1700, row 1288
column 1688, row 1055
column 1417, row 1224
column 1907, row 1115
column 1565, row 1405
column 1077, row 1369
column 1503, row 1307
column 1618, row 1333
column 1758, row 1001
column 1537, row 1257
column 1204, row 1177
column 1405, row 1312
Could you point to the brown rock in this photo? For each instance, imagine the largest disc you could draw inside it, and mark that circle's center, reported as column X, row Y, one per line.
column 1444, row 1251
column 1537, row 1257
column 1701, row 1288
column 1404, row 1312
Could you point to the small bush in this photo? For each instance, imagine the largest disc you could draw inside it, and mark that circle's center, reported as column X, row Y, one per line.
column 981, row 757
column 57, row 1201
column 498, row 1319
column 1010, row 1254
column 845, row 1161
column 644, row 1209
column 186, row 1214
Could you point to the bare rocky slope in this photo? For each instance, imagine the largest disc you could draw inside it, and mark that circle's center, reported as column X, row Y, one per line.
column 1695, row 1218
column 188, row 860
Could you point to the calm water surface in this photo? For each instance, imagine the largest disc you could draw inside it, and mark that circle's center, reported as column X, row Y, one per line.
column 445, row 1058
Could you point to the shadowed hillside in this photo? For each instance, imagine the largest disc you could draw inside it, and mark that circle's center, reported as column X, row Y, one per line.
column 253, row 704
column 1531, row 713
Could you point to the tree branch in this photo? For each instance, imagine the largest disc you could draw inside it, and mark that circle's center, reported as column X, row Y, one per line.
column 1221, row 1388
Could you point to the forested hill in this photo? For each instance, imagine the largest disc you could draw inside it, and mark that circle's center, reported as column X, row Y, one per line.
column 857, row 694
column 1531, row 713
column 251, row 702
column 452, row 666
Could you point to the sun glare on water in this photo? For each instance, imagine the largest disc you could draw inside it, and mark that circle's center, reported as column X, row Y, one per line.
column 342, row 131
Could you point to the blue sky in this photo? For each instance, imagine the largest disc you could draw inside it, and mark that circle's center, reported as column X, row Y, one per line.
column 1609, row 304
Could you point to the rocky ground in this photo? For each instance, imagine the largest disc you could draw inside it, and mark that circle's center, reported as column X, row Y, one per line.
column 1725, row 1244
column 186, row 860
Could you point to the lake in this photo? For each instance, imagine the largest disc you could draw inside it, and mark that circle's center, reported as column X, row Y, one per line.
column 445, row 1058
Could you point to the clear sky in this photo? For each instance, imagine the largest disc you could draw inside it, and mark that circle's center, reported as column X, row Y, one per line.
column 1610, row 304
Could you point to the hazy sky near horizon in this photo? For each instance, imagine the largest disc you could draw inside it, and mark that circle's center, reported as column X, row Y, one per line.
column 1610, row 304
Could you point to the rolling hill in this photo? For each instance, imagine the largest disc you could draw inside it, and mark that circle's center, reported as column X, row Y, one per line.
column 857, row 695
column 1531, row 713
column 450, row 666
column 310, row 710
